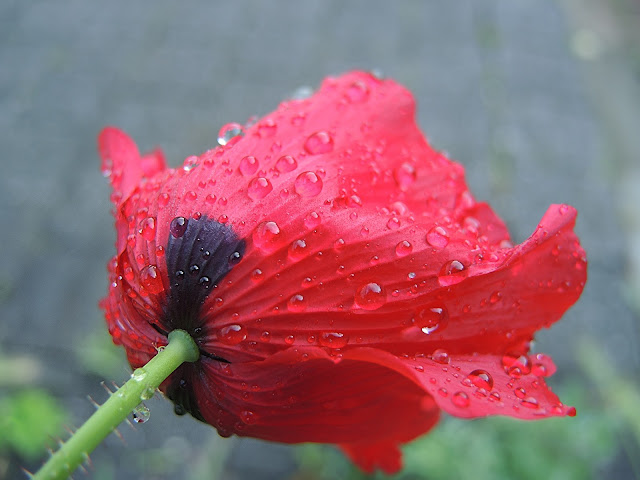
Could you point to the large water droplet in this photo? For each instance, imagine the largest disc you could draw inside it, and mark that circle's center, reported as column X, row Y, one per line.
column 333, row 340
column 267, row 236
column 460, row 399
column 437, row 237
column 403, row 248
column 481, row 379
column 516, row 364
column 150, row 279
column 298, row 250
column 232, row 334
column 371, row 296
column 543, row 366
column 297, row 303
column 148, row 228
column 259, row 188
column 393, row 223
column 286, row 164
column 451, row 273
column 529, row 402
column 319, row 142
column 147, row 393
column 441, row 356
column 178, row 227
column 141, row 413
column 248, row 165
column 432, row 319
column 230, row 133
column 308, row 184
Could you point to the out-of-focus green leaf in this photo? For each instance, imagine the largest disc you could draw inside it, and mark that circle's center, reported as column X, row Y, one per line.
column 30, row 420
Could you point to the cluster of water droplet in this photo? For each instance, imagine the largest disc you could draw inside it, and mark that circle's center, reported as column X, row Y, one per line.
column 479, row 383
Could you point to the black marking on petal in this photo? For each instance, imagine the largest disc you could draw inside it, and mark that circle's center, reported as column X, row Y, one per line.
column 199, row 253
column 180, row 392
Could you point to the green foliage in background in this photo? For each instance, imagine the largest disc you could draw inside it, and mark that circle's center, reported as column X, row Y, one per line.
column 31, row 419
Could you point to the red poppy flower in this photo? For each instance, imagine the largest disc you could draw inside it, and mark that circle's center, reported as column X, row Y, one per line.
column 340, row 280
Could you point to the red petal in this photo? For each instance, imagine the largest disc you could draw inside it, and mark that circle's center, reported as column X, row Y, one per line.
column 303, row 394
column 122, row 164
column 477, row 385
column 369, row 457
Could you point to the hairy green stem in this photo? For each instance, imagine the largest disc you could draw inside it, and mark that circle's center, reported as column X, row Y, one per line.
column 141, row 386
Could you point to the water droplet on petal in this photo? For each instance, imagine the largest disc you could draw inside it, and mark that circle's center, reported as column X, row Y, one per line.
column 286, row 164
column 297, row 303
column 403, row 248
column 530, row 402
column 319, row 142
column 520, row 392
column 248, row 417
column 267, row 236
column 312, row 220
column 163, row 200
column 451, row 273
column 357, row 92
column 432, row 319
column 543, row 366
column 259, row 188
column 248, row 165
column 190, row 196
column 178, row 226
column 267, row 128
column 333, row 340
column 371, row 296
column 298, row 250
column 308, row 184
column 460, row 399
column 481, row 379
column 257, row 275
column 232, row 334
column 148, row 228
column 405, row 175
column 150, row 279
column 516, row 364
column 437, row 237
column 441, row 356
column 393, row 223
column 289, row 339
column 230, row 133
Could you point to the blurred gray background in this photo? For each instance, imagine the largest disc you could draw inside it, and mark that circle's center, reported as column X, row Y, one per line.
column 540, row 100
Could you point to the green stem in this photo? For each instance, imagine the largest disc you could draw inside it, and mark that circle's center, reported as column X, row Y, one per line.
column 141, row 386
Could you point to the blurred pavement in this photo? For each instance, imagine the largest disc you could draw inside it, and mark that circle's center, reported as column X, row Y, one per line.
column 538, row 99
